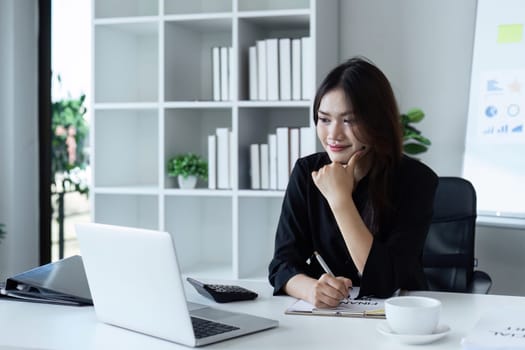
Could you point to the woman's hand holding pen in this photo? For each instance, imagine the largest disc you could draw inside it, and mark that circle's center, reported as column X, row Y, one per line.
column 328, row 291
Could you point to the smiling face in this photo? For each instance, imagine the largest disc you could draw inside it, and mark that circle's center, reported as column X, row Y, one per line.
column 337, row 126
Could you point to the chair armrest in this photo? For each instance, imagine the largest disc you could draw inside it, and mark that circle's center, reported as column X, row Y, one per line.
column 480, row 284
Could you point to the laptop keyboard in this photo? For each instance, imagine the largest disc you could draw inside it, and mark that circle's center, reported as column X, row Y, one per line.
column 204, row 328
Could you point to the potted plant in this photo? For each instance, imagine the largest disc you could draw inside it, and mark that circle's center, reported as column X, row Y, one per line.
column 2, row 232
column 188, row 168
column 413, row 141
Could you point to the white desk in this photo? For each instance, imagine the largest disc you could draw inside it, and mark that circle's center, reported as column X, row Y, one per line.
column 41, row 326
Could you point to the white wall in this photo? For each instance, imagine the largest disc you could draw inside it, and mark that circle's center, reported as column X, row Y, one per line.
column 425, row 49
column 18, row 135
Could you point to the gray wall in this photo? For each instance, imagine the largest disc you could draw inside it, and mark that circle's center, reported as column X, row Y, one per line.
column 425, row 49
column 18, row 135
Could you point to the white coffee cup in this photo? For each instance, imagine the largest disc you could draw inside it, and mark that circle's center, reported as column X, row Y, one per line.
column 412, row 314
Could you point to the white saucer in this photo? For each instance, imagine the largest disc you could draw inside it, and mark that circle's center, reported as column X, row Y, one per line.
column 439, row 333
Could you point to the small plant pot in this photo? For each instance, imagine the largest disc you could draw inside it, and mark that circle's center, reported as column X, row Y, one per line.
column 187, row 183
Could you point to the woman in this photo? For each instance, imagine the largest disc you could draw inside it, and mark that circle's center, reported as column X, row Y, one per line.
column 362, row 204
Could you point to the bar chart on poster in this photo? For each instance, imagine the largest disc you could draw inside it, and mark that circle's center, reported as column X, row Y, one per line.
column 494, row 159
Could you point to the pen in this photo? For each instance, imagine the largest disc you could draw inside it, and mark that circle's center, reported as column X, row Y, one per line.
column 326, row 268
column 323, row 263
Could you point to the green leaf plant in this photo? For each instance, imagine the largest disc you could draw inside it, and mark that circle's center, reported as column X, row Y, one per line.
column 188, row 164
column 2, row 232
column 413, row 141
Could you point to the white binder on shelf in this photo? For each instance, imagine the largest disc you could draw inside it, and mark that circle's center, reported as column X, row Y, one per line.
column 285, row 69
column 252, row 73
column 296, row 69
column 231, row 73
column 307, row 140
column 223, row 158
column 272, row 160
column 224, row 74
column 272, row 67
column 294, row 147
column 307, row 68
column 216, row 73
column 265, row 166
column 261, row 69
column 212, row 162
column 255, row 172
column 232, row 158
column 283, row 157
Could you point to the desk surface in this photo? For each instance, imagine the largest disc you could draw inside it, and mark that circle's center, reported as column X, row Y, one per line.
column 41, row 326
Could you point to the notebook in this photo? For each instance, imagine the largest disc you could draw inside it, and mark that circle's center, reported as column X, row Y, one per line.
column 367, row 307
column 136, row 283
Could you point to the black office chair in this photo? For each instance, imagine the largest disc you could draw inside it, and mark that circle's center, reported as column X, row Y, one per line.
column 448, row 254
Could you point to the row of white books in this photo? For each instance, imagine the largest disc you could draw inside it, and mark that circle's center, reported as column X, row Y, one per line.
column 281, row 69
column 271, row 163
column 222, row 73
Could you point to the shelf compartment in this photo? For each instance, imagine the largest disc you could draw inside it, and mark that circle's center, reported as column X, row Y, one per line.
column 134, row 190
column 255, row 124
column 197, row 6
column 260, row 28
column 202, row 192
column 126, row 152
column 187, row 130
column 201, row 228
column 256, row 242
column 126, row 62
column 125, row 8
column 262, row 5
column 272, row 104
column 188, row 57
column 127, row 210
column 261, row 194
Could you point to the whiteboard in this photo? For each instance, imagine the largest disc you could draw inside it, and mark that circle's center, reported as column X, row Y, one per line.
column 494, row 158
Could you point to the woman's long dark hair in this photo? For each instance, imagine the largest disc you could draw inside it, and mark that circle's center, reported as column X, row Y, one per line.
column 377, row 116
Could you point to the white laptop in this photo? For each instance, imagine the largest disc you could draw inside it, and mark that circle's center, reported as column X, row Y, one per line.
column 135, row 283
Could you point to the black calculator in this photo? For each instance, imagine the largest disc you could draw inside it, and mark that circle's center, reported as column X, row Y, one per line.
column 222, row 293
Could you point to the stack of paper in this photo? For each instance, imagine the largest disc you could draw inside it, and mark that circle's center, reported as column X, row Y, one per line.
column 497, row 329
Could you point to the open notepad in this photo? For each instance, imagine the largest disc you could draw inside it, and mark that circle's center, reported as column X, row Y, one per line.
column 352, row 307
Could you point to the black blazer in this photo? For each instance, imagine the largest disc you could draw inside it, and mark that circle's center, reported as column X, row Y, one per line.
column 307, row 224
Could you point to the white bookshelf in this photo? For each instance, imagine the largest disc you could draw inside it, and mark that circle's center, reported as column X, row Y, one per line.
column 153, row 99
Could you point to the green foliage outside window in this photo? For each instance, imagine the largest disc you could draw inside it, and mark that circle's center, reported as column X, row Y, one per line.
column 69, row 134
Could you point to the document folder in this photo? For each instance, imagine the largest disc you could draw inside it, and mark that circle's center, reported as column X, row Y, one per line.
column 61, row 282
